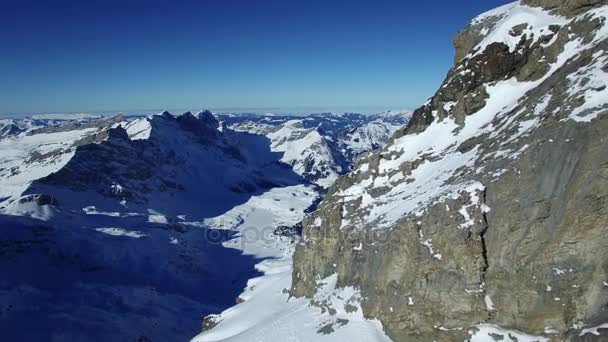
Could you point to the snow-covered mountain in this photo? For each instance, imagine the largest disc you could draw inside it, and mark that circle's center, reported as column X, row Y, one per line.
column 111, row 215
column 39, row 148
column 307, row 150
column 9, row 129
column 320, row 147
column 179, row 165
column 373, row 135
column 146, row 218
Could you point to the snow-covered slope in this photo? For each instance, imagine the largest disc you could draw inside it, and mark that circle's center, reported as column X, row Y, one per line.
column 371, row 136
column 321, row 147
column 176, row 165
column 308, row 151
column 38, row 149
column 79, row 117
column 265, row 311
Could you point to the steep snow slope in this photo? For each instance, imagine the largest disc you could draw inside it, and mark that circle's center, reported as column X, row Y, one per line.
column 266, row 311
column 308, row 152
column 39, row 149
column 185, row 166
column 9, row 129
column 116, row 276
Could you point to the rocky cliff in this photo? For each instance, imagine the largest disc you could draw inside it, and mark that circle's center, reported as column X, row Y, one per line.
column 491, row 205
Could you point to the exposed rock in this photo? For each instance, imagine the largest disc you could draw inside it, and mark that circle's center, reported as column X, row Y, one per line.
column 288, row 231
column 10, row 130
column 566, row 7
column 525, row 211
column 210, row 322
column 208, row 119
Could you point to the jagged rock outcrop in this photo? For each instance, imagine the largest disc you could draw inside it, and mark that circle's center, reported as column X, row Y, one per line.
column 70, row 126
column 184, row 162
column 566, row 7
column 475, row 32
column 491, row 205
column 10, row 130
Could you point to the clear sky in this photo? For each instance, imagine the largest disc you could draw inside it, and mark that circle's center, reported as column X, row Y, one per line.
column 122, row 55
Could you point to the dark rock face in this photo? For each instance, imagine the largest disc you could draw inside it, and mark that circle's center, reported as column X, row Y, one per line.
column 472, row 35
column 527, row 247
column 566, row 7
column 288, row 231
column 204, row 126
column 210, row 322
column 134, row 161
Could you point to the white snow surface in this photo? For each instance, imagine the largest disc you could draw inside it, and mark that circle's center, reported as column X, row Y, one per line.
column 590, row 83
column 121, row 232
column 511, row 15
column 594, row 330
column 26, row 206
column 16, row 151
column 484, row 332
column 267, row 313
column 302, row 146
column 369, row 137
column 66, row 116
column 138, row 129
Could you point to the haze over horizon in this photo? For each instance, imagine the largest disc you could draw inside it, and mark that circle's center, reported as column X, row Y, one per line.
column 72, row 56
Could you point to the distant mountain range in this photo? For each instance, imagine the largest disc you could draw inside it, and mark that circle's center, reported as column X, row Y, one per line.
column 130, row 215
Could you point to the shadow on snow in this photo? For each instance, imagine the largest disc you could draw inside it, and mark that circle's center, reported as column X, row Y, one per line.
column 112, row 275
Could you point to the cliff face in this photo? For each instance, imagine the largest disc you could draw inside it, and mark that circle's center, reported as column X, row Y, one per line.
column 565, row 7
column 491, row 205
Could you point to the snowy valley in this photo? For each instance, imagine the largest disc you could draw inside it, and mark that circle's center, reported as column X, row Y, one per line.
column 481, row 216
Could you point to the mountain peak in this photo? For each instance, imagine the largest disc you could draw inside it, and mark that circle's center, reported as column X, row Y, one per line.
column 208, row 118
column 167, row 115
column 118, row 133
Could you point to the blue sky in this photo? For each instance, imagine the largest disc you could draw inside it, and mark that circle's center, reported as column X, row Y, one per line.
column 84, row 55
